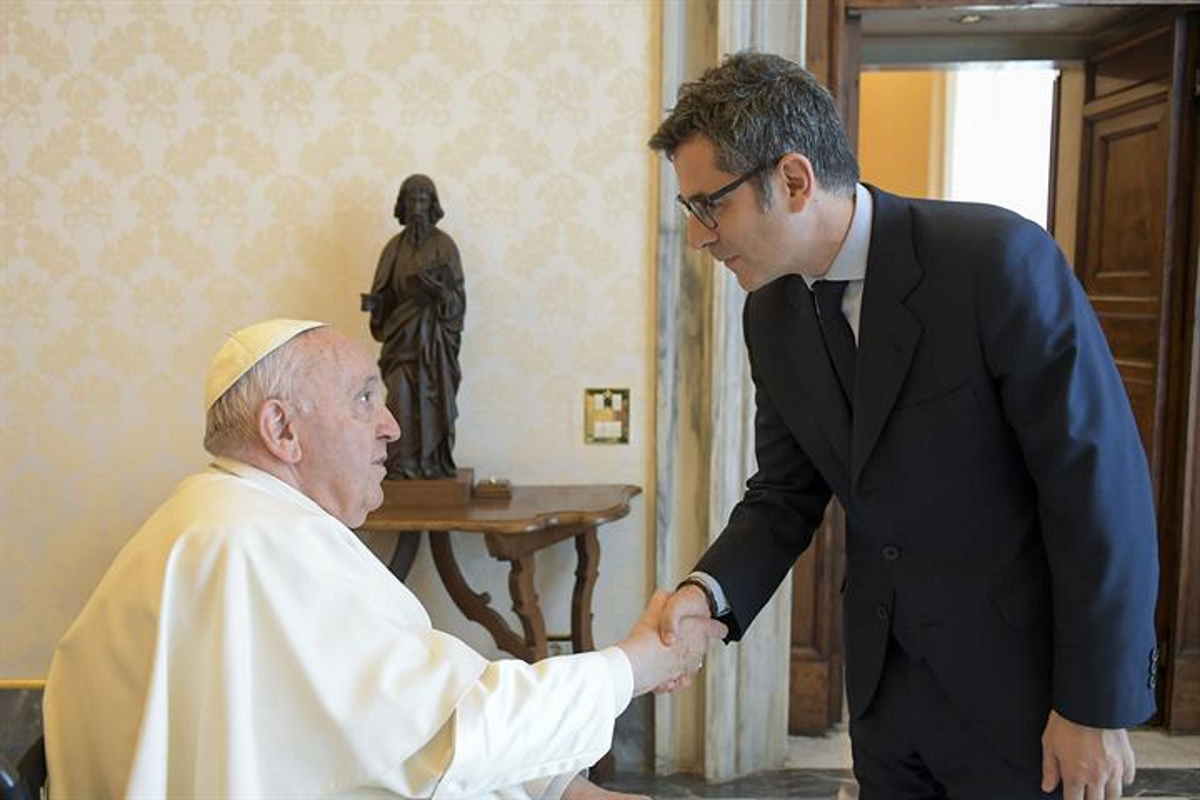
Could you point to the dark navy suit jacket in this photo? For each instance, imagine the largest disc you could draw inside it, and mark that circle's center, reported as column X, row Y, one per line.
column 1000, row 522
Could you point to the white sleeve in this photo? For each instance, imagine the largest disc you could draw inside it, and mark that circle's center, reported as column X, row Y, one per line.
column 550, row 788
column 520, row 722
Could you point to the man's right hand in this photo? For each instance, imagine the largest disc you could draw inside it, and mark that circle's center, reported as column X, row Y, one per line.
column 657, row 664
column 684, row 603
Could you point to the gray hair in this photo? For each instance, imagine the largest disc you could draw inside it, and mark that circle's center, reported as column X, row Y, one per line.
column 231, row 424
column 755, row 108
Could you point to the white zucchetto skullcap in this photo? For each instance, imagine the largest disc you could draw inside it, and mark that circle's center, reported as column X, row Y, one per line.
column 245, row 348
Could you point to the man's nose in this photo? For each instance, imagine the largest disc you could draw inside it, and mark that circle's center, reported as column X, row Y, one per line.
column 698, row 235
column 389, row 429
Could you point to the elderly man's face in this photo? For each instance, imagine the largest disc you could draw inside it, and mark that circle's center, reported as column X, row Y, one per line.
column 345, row 431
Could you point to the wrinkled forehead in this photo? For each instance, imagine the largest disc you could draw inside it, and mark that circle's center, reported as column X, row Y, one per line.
column 339, row 360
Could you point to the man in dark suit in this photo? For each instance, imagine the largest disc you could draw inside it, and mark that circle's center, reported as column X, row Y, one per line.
column 937, row 367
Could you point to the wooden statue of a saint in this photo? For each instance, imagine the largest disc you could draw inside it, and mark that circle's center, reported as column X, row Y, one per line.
column 417, row 303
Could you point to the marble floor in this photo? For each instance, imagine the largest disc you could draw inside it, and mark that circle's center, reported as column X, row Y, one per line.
column 819, row 768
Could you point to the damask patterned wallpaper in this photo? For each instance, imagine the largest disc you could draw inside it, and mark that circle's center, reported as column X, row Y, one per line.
column 175, row 170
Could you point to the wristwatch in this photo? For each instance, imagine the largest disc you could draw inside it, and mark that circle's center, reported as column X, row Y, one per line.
column 708, row 595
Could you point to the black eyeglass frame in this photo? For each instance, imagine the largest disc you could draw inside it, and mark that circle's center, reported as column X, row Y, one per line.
column 703, row 210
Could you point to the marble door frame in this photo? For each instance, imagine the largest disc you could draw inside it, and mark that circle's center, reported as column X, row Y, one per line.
column 732, row 722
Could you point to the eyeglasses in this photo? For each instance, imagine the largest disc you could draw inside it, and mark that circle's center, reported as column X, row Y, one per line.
column 704, row 206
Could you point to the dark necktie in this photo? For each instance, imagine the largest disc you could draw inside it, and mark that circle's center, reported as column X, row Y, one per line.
column 839, row 339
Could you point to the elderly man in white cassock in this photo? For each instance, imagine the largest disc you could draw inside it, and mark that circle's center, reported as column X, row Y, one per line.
column 246, row 644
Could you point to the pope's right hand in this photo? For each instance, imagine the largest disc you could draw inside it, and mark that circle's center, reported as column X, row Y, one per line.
column 657, row 665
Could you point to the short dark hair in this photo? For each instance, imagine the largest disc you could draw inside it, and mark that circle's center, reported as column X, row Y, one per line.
column 756, row 107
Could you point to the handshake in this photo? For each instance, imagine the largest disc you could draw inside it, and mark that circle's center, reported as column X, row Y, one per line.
column 666, row 645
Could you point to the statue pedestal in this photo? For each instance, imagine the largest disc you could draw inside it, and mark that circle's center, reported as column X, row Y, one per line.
column 454, row 491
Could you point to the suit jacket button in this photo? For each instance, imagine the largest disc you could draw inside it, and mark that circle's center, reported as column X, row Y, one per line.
column 890, row 552
column 881, row 611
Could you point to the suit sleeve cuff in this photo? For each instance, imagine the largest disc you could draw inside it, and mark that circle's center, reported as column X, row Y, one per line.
column 714, row 589
column 1119, row 696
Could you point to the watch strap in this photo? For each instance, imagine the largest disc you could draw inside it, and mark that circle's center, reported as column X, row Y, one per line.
column 708, row 595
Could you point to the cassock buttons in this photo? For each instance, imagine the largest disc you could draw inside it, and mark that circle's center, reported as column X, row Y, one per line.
column 890, row 552
column 1152, row 676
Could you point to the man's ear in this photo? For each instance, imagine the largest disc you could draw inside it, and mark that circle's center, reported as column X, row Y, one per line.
column 799, row 180
column 277, row 430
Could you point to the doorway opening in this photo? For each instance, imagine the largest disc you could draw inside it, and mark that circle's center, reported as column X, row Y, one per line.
column 979, row 133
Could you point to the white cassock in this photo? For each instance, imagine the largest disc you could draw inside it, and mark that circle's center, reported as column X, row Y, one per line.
column 246, row 644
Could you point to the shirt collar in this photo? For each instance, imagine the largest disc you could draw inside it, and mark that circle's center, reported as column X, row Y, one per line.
column 267, row 482
column 850, row 264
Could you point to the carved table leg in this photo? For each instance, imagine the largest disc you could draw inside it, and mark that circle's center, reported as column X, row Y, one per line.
column 475, row 605
column 404, row 554
column 587, row 547
column 525, row 604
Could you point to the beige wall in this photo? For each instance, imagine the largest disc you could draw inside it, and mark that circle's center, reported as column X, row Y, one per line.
column 176, row 170
column 901, row 130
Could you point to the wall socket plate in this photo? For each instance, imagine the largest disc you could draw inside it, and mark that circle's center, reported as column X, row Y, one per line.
column 606, row 416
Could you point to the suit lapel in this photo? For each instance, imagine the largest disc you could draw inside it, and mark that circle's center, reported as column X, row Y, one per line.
column 888, row 331
column 804, row 346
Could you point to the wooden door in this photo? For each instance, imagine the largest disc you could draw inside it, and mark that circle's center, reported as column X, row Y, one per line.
column 815, row 662
column 1119, row 256
column 815, row 665
column 1136, row 187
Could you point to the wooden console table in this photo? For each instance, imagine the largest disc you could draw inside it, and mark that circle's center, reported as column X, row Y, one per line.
column 514, row 530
